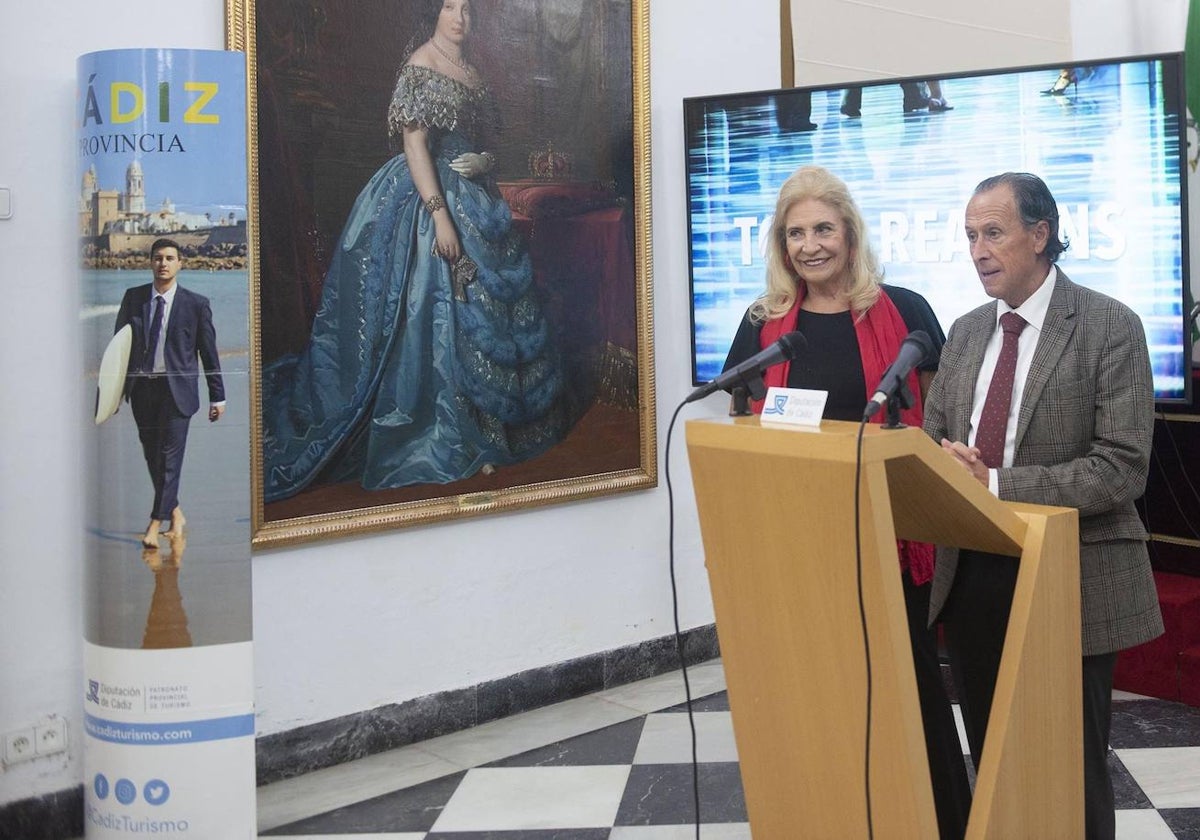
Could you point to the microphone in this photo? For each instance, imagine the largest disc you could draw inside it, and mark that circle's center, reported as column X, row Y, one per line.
column 788, row 347
column 916, row 349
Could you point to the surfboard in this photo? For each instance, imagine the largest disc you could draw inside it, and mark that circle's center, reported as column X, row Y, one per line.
column 111, row 381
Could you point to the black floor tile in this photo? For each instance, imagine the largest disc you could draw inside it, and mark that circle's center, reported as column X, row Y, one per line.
column 718, row 702
column 525, row 834
column 1185, row 822
column 411, row 809
column 1154, row 723
column 615, row 744
column 662, row 794
column 1127, row 794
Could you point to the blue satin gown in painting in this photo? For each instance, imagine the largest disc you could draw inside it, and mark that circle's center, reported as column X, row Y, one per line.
column 409, row 378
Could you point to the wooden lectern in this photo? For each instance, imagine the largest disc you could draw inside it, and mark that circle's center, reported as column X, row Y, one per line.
column 777, row 517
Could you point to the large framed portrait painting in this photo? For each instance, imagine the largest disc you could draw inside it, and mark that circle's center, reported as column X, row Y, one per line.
column 449, row 214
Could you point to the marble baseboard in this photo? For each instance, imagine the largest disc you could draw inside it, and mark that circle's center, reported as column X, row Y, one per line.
column 49, row 817
column 325, row 744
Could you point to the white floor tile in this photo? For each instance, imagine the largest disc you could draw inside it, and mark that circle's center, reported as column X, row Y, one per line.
column 404, row 835
column 496, row 799
column 1142, row 825
column 666, row 690
column 711, row 831
column 1169, row 776
column 355, row 781
column 526, row 731
column 511, row 798
column 667, row 739
column 962, row 729
column 324, row 790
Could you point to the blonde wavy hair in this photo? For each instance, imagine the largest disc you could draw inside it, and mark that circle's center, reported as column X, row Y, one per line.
column 817, row 183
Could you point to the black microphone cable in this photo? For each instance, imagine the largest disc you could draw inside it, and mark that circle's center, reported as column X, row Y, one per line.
column 687, row 689
column 787, row 347
column 862, row 615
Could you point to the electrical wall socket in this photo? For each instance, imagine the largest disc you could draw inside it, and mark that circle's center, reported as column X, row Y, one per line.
column 46, row 738
column 50, row 736
column 19, row 745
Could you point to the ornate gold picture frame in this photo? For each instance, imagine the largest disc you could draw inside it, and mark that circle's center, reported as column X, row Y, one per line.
column 554, row 224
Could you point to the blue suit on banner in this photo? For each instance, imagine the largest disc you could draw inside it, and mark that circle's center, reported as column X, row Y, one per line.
column 173, row 335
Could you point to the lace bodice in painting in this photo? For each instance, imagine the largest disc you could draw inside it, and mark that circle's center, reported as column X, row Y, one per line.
column 436, row 101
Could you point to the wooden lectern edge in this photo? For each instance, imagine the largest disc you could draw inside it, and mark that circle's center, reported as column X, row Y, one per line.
column 786, row 613
column 1030, row 782
column 1029, row 511
column 836, row 440
column 1009, row 800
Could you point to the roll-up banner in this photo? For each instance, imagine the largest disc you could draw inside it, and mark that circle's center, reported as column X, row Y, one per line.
column 168, row 693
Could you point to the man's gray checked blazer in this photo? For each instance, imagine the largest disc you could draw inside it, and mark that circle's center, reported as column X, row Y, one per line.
column 1083, row 441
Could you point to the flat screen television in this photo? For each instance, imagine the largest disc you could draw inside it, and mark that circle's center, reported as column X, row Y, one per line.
column 1108, row 139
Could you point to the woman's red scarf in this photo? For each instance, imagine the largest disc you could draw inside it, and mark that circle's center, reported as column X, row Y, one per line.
column 880, row 333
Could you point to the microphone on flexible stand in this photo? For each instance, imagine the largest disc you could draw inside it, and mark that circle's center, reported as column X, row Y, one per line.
column 916, row 349
column 748, row 374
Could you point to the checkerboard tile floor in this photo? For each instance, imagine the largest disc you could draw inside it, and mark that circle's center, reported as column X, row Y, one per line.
column 616, row 766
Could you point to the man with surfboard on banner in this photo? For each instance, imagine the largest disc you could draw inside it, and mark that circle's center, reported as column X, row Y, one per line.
column 171, row 330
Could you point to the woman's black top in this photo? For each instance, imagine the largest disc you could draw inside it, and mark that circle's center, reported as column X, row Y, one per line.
column 831, row 362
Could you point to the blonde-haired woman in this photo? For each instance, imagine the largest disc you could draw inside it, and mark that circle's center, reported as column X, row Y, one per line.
column 824, row 280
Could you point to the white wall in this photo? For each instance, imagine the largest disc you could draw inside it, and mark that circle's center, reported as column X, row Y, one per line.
column 41, row 375
column 407, row 614
column 1110, row 28
column 846, row 40
column 344, row 626
column 349, row 625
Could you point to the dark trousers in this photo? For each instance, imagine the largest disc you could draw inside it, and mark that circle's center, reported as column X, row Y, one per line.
column 163, row 430
column 976, row 619
column 793, row 112
column 947, row 767
column 912, row 98
column 1099, row 805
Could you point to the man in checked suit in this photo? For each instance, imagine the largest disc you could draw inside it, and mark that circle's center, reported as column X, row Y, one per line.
column 1076, row 433
column 172, row 327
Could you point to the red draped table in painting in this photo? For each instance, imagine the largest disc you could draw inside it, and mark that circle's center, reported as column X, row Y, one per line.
column 580, row 237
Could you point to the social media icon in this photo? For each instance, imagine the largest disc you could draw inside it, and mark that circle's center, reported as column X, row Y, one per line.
column 100, row 785
column 156, row 792
column 125, row 791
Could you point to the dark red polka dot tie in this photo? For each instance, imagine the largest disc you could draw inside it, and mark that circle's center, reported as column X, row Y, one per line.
column 993, row 423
